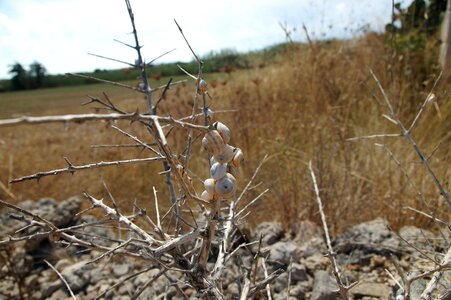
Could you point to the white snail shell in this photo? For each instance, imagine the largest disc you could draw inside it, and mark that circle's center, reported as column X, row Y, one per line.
column 226, row 186
column 214, row 142
column 209, row 185
column 238, row 158
column 225, row 155
column 223, row 130
column 209, row 113
column 218, row 170
column 206, row 196
column 202, row 87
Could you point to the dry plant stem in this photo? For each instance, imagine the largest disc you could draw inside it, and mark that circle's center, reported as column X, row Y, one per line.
column 268, row 288
column 121, row 145
column 248, row 185
column 374, row 136
column 140, row 61
column 404, row 171
column 91, row 117
column 251, row 202
column 113, row 59
column 126, row 279
column 141, row 289
column 212, row 221
column 7, row 191
column 106, row 81
column 160, row 56
column 409, row 138
column 431, row 286
column 62, row 279
column 246, row 288
column 72, row 169
column 262, row 284
column 119, row 217
column 343, row 289
column 429, row 216
column 426, row 101
column 134, row 138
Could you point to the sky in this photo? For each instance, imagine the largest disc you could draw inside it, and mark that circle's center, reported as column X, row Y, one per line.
column 60, row 33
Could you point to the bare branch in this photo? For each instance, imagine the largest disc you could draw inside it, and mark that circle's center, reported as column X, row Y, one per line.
column 407, row 134
column 373, row 136
column 189, row 46
column 112, row 59
column 62, row 279
column 343, row 289
column 72, row 169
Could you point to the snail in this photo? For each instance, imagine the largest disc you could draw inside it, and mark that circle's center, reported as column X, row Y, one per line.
column 209, row 185
column 206, row 196
column 226, row 186
column 213, row 142
column 201, row 87
column 225, row 155
column 218, row 170
column 238, row 158
column 223, row 130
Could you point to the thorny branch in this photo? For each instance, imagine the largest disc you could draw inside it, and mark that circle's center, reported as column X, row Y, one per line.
column 72, row 168
column 343, row 289
column 407, row 134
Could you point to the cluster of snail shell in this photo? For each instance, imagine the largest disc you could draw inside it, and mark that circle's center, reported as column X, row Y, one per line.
column 225, row 161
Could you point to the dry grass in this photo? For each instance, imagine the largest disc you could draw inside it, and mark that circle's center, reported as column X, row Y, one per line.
column 304, row 107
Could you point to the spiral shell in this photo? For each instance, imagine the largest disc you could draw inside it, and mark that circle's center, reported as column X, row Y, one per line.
column 214, row 142
column 223, row 130
column 206, row 196
column 209, row 113
column 201, row 87
column 238, row 158
column 225, row 155
column 218, row 170
column 209, row 185
column 226, row 186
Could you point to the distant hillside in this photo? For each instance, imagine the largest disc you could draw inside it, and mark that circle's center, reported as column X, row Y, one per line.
column 225, row 60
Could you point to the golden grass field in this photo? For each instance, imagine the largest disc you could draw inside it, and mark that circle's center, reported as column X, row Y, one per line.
column 302, row 107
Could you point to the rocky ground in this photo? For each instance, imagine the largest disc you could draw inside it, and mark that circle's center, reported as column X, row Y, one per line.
column 363, row 254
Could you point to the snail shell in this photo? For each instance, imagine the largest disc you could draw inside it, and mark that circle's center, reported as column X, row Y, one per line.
column 214, row 142
column 238, row 158
column 209, row 113
column 224, row 131
column 209, row 185
column 206, row 196
column 201, row 87
column 218, row 170
column 225, row 155
column 226, row 186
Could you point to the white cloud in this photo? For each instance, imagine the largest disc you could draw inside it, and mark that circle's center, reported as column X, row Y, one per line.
column 59, row 33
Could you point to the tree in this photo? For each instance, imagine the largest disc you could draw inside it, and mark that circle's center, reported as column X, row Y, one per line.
column 37, row 73
column 19, row 79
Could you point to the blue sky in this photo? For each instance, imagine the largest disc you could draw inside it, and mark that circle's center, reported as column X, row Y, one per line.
column 60, row 33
